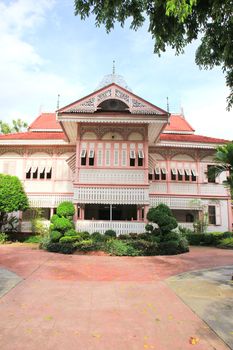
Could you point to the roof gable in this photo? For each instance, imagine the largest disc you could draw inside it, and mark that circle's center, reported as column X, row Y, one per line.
column 90, row 103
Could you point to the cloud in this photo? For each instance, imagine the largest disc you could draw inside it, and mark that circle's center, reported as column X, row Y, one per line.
column 25, row 85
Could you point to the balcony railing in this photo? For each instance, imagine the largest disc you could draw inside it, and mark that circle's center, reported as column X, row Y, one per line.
column 188, row 188
column 121, row 227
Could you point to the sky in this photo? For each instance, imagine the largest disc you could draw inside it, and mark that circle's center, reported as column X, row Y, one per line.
column 46, row 51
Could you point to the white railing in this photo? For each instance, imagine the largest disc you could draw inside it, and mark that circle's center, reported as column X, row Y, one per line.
column 121, row 227
column 188, row 188
column 110, row 176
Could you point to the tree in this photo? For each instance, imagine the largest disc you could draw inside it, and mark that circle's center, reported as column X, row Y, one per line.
column 12, row 197
column 224, row 162
column 175, row 23
column 18, row 126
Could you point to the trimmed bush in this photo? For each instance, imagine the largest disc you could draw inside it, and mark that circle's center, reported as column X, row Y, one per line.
column 66, row 209
column 149, row 227
column 54, row 218
column 3, row 237
column 55, row 236
column 33, row 239
column 98, row 237
column 62, row 224
column 110, row 234
column 64, row 248
column 145, row 247
column 169, row 248
column 71, row 232
column 207, row 239
column 66, row 239
column 86, row 245
column 85, row 235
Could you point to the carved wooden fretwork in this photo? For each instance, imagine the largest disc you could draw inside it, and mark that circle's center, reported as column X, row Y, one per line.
column 205, row 153
column 122, row 95
column 11, row 149
column 33, row 150
column 169, row 153
column 104, row 95
column 135, row 104
column 101, row 130
column 61, row 150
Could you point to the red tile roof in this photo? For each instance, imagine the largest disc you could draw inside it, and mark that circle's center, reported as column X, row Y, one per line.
column 34, row 136
column 190, row 138
column 45, row 121
column 178, row 123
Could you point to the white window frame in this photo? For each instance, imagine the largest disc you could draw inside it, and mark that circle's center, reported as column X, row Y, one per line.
column 132, row 154
column 83, row 153
column 140, row 154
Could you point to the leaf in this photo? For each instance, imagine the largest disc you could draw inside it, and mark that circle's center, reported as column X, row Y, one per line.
column 193, row 340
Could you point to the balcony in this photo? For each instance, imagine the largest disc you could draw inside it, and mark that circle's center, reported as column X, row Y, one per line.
column 188, row 188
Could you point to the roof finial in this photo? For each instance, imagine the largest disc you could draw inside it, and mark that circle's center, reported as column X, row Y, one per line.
column 58, row 101
column 113, row 67
column 182, row 112
column 167, row 105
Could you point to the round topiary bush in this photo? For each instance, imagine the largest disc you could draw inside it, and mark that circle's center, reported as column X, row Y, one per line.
column 55, row 236
column 65, row 209
column 71, row 232
column 62, row 224
column 97, row 237
column 110, row 234
column 53, row 218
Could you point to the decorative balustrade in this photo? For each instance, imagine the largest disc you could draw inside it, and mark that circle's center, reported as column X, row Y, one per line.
column 111, row 195
column 188, row 188
column 111, row 176
column 121, row 227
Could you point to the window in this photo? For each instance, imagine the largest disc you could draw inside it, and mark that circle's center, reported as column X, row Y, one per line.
column 49, row 173
column 132, row 157
column 42, row 174
column 107, row 157
column 163, row 174
column 189, row 217
column 35, row 173
column 212, row 178
column 180, row 174
column 28, row 174
column 194, row 175
column 140, row 157
column 212, row 214
column 157, row 173
column 150, row 176
column 173, row 174
column 83, row 156
column 91, row 157
column 187, row 174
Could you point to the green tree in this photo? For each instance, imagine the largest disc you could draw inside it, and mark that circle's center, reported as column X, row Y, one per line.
column 224, row 162
column 12, row 197
column 175, row 23
column 18, row 125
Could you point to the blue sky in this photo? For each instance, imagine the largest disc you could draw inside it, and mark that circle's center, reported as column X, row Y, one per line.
column 46, row 50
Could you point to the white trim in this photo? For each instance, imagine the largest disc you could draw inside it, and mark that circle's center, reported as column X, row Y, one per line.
column 91, row 153
column 164, row 171
column 174, row 171
column 194, row 172
column 140, row 154
column 181, row 172
column 33, row 142
column 83, row 153
column 157, row 171
column 132, row 154
column 45, row 130
column 188, row 172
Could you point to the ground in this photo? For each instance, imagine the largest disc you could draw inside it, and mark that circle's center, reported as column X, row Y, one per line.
column 53, row 301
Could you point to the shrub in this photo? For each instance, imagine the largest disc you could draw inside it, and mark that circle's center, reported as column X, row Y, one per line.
column 226, row 243
column 169, row 248
column 208, row 239
column 54, row 218
column 98, row 237
column 110, row 234
column 66, row 239
column 64, row 248
column 86, row 245
column 84, row 235
column 55, row 236
column 120, row 248
column 149, row 227
column 183, row 245
column 33, row 239
column 123, row 237
column 3, row 237
column 61, row 224
column 163, row 217
column 171, row 236
column 71, row 232
column 66, row 209
column 145, row 247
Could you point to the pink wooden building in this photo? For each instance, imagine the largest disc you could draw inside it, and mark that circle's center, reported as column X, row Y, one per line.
column 114, row 155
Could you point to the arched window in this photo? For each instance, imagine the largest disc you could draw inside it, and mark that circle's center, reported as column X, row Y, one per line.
column 189, row 218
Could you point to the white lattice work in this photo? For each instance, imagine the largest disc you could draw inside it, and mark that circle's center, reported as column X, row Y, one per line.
column 183, row 188
column 109, row 176
column 121, row 227
column 110, row 195
column 213, row 189
column 158, row 187
column 47, row 201
column 176, row 203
